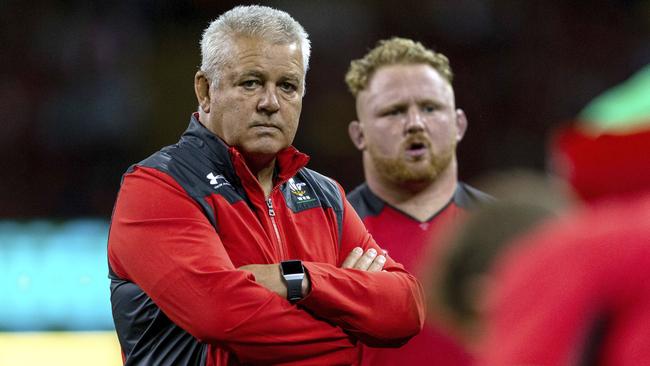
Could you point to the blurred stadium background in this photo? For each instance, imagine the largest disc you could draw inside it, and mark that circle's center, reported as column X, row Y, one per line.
column 88, row 88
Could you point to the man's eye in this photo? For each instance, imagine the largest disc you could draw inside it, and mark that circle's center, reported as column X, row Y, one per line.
column 430, row 108
column 394, row 112
column 250, row 84
column 288, row 87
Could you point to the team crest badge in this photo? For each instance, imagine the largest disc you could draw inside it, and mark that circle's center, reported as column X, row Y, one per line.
column 298, row 191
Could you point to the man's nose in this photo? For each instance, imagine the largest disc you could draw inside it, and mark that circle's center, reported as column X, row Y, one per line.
column 414, row 121
column 268, row 102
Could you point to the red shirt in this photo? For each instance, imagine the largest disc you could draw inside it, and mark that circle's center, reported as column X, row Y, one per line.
column 413, row 244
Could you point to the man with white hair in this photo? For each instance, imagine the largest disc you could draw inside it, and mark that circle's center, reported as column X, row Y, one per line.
column 225, row 250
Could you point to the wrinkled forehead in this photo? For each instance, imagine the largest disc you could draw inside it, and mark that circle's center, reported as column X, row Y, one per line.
column 402, row 83
column 246, row 46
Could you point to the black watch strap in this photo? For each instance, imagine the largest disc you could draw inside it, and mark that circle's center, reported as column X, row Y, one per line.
column 293, row 273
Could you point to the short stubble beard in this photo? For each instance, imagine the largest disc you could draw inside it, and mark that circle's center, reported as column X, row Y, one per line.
column 400, row 171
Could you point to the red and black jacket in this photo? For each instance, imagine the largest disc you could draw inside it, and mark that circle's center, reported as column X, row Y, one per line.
column 188, row 216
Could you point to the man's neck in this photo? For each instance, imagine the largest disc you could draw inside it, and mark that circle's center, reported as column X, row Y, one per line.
column 419, row 201
column 265, row 177
column 263, row 168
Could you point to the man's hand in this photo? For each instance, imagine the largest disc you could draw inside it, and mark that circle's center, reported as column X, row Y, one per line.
column 368, row 261
column 269, row 276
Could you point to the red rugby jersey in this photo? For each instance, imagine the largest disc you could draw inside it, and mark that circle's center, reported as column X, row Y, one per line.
column 413, row 243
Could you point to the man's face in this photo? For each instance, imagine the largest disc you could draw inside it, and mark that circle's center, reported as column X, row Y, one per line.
column 256, row 104
column 409, row 124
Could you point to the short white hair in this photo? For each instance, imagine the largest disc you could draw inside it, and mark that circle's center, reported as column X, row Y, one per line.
column 272, row 25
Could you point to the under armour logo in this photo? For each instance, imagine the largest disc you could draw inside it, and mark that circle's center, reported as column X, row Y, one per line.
column 217, row 180
column 213, row 178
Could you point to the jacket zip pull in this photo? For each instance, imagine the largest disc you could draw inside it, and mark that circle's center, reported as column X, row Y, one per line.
column 269, row 204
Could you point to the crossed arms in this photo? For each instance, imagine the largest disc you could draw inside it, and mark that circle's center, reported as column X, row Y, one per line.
column 269, row 276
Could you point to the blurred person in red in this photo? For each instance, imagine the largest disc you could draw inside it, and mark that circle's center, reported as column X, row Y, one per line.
column 225, row 249
column 407, row 129
column 605, row 154
column 576, row 291
column 461, row 273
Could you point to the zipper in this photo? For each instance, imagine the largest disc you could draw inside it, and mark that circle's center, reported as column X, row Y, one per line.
column 269, row 204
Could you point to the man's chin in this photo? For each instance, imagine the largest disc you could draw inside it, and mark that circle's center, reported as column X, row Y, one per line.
column 407, row 170
column 417, row 178
column 264, row 147
column 416, row 172
column 416, row 163
column 402, row 173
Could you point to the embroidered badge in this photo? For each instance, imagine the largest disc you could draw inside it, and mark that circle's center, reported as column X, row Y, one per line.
column 298, row 192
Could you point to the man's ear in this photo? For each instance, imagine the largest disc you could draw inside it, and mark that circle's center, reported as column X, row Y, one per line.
column 356, row 135
column 461, row 124
column 202, row 90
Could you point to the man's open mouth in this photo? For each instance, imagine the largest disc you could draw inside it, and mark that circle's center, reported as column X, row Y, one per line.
column 416, row 149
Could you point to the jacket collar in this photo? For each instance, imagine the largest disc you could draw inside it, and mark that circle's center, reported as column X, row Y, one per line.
column 288, row 161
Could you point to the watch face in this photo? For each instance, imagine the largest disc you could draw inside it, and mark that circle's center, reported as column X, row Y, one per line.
column 291, row 267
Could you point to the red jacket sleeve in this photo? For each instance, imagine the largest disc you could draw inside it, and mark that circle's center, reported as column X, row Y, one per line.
column 161, row 240
column 380, row 308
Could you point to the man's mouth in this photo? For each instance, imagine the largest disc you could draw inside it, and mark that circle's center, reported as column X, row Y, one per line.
column 416, row 149
column 266, row 126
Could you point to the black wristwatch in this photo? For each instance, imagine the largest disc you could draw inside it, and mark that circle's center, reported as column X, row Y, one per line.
column 293, row 273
